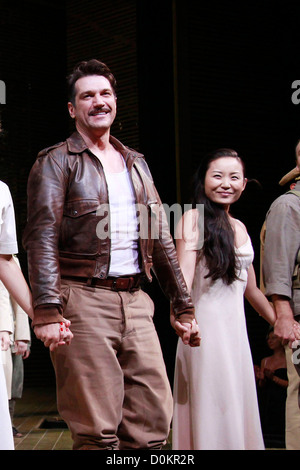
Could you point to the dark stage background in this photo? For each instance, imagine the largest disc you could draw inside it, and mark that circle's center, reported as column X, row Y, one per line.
column 192, row 77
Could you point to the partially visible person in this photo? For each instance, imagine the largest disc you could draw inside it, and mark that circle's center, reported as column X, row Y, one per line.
column 281, row 261
column 6, row 435
column 215, row 399
column 13, row 279
column 272, row 389
column 18, row 351
column 290, row 180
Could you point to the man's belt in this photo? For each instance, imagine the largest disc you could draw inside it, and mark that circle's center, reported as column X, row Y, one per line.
column 130, row 283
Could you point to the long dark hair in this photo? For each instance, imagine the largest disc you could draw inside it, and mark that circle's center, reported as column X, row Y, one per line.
column 218, row 248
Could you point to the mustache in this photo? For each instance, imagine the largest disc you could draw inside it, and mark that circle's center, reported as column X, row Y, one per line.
column 98, row 110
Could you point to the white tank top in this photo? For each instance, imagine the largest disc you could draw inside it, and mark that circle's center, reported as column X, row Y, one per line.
column 123, row 225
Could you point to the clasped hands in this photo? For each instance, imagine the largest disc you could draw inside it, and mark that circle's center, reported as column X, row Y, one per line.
column 188, row 332
column 54, row 334
column 288, row 330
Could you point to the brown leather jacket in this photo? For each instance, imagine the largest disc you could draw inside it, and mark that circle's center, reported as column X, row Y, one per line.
column 66, row 188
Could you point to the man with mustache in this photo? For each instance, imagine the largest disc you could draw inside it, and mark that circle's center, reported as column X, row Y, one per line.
column 88, row 254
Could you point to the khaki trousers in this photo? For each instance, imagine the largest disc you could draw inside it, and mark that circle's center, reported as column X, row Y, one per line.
column 112, row 386
column 292, row 432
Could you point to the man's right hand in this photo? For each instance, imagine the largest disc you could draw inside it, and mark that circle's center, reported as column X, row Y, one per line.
column 54, row 334
column 285, row 326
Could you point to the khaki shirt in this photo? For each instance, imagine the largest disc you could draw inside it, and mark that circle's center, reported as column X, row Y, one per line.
column 282, row 243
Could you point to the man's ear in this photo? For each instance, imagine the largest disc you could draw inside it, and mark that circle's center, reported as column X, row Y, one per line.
column 71, row 109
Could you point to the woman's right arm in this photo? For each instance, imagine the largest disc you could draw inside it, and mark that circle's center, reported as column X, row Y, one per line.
column 187, row 258
column 186, row 243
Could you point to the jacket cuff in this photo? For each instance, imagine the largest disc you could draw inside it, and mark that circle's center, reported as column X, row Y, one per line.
column 185, row 316
column 45, row 314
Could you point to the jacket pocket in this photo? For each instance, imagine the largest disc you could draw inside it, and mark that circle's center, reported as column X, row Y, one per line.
column 78, row 236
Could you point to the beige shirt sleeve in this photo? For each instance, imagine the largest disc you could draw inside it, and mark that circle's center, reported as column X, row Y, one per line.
column 12, row 317
column 282, row 242
column 21, row 320
column 22, row 329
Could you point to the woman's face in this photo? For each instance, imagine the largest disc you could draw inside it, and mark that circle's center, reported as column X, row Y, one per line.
column 224, row 181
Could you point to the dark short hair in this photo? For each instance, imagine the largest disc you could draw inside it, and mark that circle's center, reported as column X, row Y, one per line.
column 86, row 68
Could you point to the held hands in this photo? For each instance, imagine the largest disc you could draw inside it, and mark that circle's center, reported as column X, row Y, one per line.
column 54, row 334
column 288, row 330
column 188, row 332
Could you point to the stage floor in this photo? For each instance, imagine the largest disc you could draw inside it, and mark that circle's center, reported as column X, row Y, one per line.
column 36, row 417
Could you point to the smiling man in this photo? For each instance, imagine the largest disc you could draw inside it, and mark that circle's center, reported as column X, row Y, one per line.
column 112, row 387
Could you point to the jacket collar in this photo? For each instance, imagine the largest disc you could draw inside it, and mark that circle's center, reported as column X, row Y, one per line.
column 76, row 144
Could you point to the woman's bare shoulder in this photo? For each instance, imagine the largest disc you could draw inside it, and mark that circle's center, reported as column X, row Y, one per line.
column 240, row 231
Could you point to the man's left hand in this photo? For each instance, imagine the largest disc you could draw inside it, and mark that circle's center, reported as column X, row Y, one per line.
column 188, row 332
